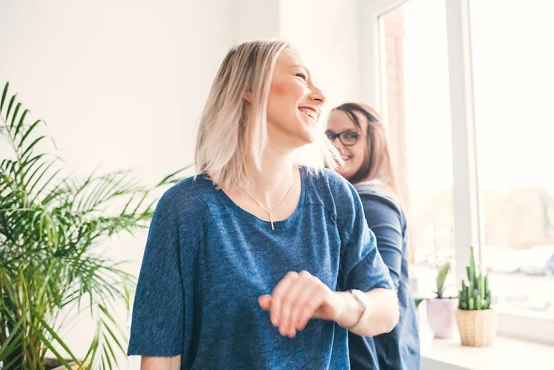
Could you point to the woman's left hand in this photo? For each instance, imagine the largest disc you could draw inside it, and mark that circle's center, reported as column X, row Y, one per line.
column 298, row 298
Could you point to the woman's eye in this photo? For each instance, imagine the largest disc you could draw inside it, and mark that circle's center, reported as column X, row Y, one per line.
column 351, row 135
column 301, row 75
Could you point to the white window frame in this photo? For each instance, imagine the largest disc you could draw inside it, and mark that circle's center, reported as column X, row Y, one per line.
column 466, row 203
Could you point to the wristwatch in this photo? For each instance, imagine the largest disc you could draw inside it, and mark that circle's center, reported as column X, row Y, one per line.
column 365, row 303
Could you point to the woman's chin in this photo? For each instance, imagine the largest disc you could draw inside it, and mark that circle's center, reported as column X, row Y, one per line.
column 307, row 137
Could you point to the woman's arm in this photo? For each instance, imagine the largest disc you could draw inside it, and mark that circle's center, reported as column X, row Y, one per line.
column 300, row 297
column 384, row 218
column 381, row 317
column 363, row 268
column 160, row 363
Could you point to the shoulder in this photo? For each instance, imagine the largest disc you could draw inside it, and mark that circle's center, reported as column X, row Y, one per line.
column 379, row 203
column 337, row 196
column 328, row 182
column 187, row 196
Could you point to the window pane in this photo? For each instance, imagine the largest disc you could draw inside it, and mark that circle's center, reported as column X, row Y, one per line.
column 418, row 120
column 514, row 95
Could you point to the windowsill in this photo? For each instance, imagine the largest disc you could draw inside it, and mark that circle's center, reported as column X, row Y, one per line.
column 506, row 353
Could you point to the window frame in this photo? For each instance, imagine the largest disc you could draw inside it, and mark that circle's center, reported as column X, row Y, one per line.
column 467, row 208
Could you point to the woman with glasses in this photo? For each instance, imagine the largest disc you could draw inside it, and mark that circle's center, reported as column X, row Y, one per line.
column 358, row 134
column 257, row 262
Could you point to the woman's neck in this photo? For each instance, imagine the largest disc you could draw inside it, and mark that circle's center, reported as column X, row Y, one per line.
column 271, row 178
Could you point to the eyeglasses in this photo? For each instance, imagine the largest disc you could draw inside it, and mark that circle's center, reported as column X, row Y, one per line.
column 347, row 138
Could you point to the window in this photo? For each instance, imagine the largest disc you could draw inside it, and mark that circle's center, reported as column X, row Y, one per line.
column 417, row 111
column 499, row 89
column 513, row 79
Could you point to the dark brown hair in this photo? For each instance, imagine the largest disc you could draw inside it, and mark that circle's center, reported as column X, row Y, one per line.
column 377, row 164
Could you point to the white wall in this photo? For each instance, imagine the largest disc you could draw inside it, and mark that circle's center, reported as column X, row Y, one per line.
column 256, row 19
column 326, row 34
column 122, row 83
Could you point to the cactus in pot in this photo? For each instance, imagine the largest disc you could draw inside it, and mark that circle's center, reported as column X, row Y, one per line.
column 476, row 295
column 477, row 321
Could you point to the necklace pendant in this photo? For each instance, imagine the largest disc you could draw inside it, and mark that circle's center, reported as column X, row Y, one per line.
column 262, row 207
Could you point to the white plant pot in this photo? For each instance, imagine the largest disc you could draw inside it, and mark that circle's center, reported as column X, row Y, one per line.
column 441, row 315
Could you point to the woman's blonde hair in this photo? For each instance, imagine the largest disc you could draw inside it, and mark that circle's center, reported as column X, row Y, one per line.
column 229, row 132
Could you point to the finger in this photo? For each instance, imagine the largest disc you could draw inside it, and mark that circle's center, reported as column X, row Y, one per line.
column 277, row 297
column 302, row 294
column 313, row 300
column 291, row 305
column 265, row 302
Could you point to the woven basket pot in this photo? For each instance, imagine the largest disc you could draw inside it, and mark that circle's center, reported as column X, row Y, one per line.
column 477, row 328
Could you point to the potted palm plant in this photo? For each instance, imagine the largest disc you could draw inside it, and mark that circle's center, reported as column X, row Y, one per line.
column 53, row 230
column 477, row 321
column 441, row 309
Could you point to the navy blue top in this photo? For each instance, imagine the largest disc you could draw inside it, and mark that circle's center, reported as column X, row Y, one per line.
column 399, row 349
column 207, row 261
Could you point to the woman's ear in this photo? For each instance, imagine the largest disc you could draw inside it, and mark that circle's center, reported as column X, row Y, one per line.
column 247, row 96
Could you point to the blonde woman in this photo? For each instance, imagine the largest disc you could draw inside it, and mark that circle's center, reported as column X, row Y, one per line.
column 234, row 275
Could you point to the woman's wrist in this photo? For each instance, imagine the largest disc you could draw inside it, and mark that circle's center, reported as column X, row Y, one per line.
column 349, row 310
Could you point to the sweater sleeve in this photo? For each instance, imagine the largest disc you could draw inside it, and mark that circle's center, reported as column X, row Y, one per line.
column 158, row 310
column 384, row 218
column 362, row 265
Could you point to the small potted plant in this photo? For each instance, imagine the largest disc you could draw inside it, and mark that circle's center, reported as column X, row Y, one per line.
column 441, row 310
column 477, row 321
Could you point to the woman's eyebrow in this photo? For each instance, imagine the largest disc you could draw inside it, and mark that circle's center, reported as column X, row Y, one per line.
column 301, row 66
column 310, row 76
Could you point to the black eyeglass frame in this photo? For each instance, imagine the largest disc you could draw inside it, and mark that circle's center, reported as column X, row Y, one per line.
column 341, row 135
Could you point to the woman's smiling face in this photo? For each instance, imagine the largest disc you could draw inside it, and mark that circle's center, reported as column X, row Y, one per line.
column 355, row 154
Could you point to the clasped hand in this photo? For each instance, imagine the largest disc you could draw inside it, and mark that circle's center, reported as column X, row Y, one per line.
column 298, row 298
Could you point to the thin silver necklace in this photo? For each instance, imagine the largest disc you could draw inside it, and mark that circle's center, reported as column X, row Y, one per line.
column 270, row 213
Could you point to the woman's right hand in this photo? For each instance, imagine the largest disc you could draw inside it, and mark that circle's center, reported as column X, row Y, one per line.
column 298, row 298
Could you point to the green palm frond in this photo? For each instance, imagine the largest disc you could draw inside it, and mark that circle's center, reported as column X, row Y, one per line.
column 51, row 224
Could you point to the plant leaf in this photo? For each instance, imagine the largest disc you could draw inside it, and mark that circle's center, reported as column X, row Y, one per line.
column 4, row 93
column 441, row 279
column 50, row 345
